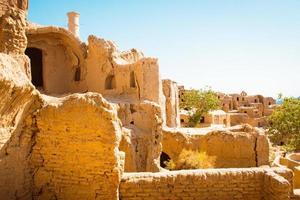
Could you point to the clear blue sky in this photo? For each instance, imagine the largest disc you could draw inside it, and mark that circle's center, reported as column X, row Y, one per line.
column 230, row 45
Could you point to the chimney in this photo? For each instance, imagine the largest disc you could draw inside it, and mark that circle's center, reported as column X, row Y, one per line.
column 73, row 23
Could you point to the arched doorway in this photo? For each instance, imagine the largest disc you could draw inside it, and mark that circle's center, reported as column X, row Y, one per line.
column 163, row 159
column 36, row 61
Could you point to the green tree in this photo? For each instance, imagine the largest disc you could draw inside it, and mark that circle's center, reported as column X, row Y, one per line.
column 199, row 102
column 284, row 124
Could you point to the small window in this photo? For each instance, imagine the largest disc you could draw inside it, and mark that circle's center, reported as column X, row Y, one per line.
column 110, row 82
column 77, row 74
column 132, row 80
column 202, row 120
column 243, row 99
column 269, row 103
column 182, row 120
column 237, row 99
column 255, row 100
column 20, row 4
column 245, row 111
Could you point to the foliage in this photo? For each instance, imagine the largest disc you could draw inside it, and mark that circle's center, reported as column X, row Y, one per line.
column 189, row 159
column 170, row 164
column 285, row 124
column 199, row 102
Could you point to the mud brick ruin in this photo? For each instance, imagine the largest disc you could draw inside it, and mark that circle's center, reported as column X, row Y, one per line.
column 87, row 121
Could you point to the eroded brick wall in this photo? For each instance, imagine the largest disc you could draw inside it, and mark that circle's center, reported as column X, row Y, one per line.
column 227, row 184
column 232, row 147
column 76, row 153
column 276, row 187
column 170, row 91
column 18, row 101
column 13, row 24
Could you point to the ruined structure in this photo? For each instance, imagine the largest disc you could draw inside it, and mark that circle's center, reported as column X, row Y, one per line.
column 250, row 109
column 240, row 146
column 77, row 117
column 240, row 109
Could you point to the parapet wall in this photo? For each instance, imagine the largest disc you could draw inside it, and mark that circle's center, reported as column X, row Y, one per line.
column 253, row 183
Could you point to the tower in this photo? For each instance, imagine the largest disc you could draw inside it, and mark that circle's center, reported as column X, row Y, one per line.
column 73, row 23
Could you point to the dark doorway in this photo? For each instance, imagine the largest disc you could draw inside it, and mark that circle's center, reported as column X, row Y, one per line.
column 202, row 120
column 110, row 82
column 36, row 60
column 163, row 159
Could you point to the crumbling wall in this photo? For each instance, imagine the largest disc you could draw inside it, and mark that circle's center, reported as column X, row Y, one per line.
column 13, row 40
column 48, row 149
column 63, row 59
column 13, row 23
column 205, row 184
column 76, row 155
column 126, row 75
column 142, row 140
column 170, row 91
column 276, row 187
column 240, row 146
column 18, row 100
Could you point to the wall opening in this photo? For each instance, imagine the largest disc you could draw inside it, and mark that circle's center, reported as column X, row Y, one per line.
column 202, row 120
column 77, row 75
column 19, row 4
column 163, row 159
column 36, row 61
column 132, row 80
column 110, row 82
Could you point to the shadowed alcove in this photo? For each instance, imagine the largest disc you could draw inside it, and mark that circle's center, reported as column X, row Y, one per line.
column 36, row 61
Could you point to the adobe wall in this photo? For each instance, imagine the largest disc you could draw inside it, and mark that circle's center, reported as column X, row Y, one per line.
column 124, row 75
column 13, row 24
column 238, row 118
column 142, row 136
column 63, row 57
column 252, row 184
column 76, row 155
column 170, row 91
column 48, row 149
column 240, row 146
column 18, row 101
